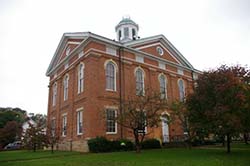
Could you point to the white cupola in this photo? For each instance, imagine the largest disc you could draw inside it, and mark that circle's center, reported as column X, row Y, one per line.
column 126, row 30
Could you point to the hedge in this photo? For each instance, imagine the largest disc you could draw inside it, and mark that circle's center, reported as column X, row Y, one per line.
column 101, row 144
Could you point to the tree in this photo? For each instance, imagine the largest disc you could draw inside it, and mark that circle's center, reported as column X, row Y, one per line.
column 51, row 137
column 10, row 133
column 141, row 112
column 218, row 102
column 181, row 113
column 11, row 114
column 40, row 118
column 35, row 136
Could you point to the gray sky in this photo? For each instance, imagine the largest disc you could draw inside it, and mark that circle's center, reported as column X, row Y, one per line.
column 207, row 32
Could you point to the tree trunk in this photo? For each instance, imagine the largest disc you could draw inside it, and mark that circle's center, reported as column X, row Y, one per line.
column 246, row 138
column 52, row 148
column 137, row 142
column 228, row 143
column 223, row 140
column 34, row 147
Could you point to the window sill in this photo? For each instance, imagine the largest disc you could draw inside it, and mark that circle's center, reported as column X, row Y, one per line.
column 111, row 133
column 110, row 90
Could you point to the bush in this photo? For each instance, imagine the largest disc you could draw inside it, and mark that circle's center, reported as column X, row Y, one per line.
column 101, row 144
column 151, row 144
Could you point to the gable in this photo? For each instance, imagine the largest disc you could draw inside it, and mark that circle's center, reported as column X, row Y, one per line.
column 151, row 44
column 71, row 44
column 157, row 49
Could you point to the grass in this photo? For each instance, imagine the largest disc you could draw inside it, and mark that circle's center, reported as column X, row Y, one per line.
column 209, row 156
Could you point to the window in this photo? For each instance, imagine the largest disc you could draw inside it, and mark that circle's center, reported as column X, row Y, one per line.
column 110, row 76
column 111, row 125
column 54, row 95
column 79, row 122
column 65, row 87
column 142, row 122
column 139, row 81
column 126, row 32
column 181, row 90
column 53, row 127
column 163, row 86
column 120, row 34
column 80, row 77
column 133, row 34
column 64, row 125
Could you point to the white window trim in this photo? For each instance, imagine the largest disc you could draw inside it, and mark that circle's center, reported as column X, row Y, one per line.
column 54, row 94
column 166, row 84
column 116, row 69
column 79, row 89
column 112, row 108
column 143, row 78
column 64, row 116
column 77, row 129
column 66, row 90
column 184, row 89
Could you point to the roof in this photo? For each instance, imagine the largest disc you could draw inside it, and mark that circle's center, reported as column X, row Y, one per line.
column 126, row 21
column 86, row 36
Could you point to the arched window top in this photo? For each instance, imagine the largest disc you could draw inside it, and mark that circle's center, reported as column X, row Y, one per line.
column 110, row 72
column 110, row 62
column 66, row 77
column 54, row 85
column 162, row 77
column 139, row 70
column 139, row 75
column 81, row 66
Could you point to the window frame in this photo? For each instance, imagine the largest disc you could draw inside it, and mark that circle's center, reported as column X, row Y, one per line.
column 181, row 91
column 80, row 78
column 54, row 94
column 66, row 87
column 108, row 77
column 79, row 121
column 111, row 120
column 64, row 125
column 164, row 92
column 139, row 82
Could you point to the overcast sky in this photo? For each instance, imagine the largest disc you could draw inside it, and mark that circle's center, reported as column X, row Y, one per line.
column 207, row 32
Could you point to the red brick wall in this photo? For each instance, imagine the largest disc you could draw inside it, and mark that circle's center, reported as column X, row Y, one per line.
column 94, row 98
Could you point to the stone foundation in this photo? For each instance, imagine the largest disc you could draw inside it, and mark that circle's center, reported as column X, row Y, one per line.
column 78, row 146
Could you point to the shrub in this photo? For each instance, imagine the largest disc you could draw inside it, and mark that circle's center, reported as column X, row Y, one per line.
column 101, row 144
column 151, row 144
column 126, row 145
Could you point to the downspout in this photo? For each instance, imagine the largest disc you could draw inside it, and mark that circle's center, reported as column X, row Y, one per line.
column 120, row 91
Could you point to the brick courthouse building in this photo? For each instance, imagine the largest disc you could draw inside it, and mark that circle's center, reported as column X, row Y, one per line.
column 88, row 72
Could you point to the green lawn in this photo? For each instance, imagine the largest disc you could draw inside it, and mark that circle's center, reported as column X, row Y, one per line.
column 240, row 156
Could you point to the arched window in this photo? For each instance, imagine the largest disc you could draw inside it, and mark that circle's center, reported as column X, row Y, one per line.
column 110, row 76
column 65, row 87
column 139, row 74
column 54, row 95
column 80, row 77
column 181, row 89
column 163, row 86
